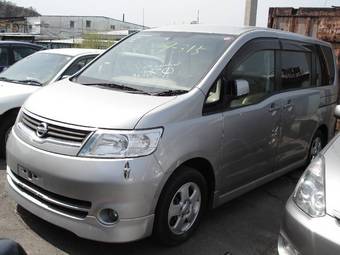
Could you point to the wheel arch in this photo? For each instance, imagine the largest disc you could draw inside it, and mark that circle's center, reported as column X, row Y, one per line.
column 324, row 130
column 203, row 166
column 9, row 112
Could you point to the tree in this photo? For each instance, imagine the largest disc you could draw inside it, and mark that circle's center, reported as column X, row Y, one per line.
column 96, row 41
column 9, row 9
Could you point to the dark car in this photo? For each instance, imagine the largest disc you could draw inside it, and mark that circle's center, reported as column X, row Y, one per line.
column 13, row 51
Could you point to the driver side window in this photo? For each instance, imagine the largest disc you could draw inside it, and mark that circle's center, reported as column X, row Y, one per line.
column 258, row 70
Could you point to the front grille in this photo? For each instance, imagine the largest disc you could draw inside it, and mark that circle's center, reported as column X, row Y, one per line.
column 67, row 206
column 57, row 132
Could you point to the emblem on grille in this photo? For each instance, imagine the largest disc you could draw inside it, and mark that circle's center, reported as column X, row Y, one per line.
column 42, row 130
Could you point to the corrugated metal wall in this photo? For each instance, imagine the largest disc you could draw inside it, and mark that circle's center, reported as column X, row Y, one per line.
column 322, row 23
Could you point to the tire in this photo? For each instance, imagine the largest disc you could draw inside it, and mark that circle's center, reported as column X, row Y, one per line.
column 317, row 144
column 6, row 124
column 187, row 210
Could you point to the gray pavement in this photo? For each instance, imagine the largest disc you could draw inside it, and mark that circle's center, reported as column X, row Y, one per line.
column 247, row 225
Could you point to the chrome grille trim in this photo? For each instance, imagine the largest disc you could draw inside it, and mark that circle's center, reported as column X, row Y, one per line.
column 57, row 131
column 80, row 211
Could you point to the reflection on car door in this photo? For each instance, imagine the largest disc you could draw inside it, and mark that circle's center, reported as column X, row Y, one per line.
column 251, row 123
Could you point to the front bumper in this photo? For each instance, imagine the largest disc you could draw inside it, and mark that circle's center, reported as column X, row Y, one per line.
column 308, row 236
column 85, row 186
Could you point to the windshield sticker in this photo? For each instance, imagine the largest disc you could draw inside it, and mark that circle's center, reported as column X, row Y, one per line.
column 188, row 49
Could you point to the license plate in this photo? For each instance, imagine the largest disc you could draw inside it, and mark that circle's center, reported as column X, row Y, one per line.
column 26, row 173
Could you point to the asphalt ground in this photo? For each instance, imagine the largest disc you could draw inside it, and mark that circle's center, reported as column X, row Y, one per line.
column 247, row 225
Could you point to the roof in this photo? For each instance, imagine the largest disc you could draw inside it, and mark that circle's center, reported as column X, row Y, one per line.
column 21, row 43
column 72, row 51
column 236, row 31
column 200, row 28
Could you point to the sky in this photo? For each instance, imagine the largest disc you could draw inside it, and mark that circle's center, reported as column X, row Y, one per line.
column 162, row 13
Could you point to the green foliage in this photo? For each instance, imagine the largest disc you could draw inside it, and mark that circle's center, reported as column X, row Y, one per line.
column 96, row 41
column 10, row 9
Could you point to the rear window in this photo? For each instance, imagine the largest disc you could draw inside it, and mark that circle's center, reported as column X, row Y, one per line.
column 329, row 59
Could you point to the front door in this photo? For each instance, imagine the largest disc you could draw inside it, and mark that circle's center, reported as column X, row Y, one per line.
column 252, row 122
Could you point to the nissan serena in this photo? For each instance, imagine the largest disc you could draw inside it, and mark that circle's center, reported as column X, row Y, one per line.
column 168, row 123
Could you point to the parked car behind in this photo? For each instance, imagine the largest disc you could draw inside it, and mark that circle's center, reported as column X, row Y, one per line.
column 168, row 123
column 311, row 222
column 32, row 73
column 13, row 51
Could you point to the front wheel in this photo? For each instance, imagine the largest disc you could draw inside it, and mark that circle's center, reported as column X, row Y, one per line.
column 317, row 144
column 180, row 207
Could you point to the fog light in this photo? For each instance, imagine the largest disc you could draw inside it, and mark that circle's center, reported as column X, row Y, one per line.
column 285, row 247
column 107, row 216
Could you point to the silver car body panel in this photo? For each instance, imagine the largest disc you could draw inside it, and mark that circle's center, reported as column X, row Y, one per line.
column 310, row 236
column 332, row 177
column 227, row 140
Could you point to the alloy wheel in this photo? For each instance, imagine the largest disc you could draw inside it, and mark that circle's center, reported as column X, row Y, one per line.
column 184, row 208
column 316, row 147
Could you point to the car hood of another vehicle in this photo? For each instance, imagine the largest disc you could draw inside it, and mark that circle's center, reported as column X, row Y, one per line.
column 13, row 95
column 91, row 106
column 332, row 176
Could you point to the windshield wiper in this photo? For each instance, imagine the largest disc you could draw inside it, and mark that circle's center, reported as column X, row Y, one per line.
column 171, row 92
column 6, row 79
column 30, row 82
column 117, row 86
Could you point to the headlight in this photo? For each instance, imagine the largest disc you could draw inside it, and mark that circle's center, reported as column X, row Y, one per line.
column 309, row 194
column 121, row 144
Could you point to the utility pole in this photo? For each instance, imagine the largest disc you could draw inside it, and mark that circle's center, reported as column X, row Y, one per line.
column 251, row 12
column 143, row 19
column 198, row 16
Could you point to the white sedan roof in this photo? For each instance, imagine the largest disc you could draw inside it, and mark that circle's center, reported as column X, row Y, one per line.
column 73, row 51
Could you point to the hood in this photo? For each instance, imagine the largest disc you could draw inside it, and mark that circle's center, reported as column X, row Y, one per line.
column 332, row 177
column 90, row 106
column 13, row 95
column 8, row 89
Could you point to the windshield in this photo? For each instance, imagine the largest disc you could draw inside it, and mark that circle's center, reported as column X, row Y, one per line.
column 39, row 68
column 158, row 61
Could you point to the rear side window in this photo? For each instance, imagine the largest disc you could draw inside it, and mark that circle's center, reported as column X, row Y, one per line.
column 329, row 59
column 21, row 52
column 296, row 70
column 4, row 56
column 77, row 65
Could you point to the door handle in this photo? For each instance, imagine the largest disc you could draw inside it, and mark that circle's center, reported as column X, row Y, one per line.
column 274, row 108
column 288, row 105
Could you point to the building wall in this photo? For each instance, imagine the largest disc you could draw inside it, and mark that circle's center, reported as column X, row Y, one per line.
column 75, row 26
column 13, row 25
column 322, row 23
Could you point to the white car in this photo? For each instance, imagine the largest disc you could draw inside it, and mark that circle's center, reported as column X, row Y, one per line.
column 31, row 73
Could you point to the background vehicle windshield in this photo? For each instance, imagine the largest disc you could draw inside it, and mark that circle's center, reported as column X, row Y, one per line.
column 158, row 61
column 40, row 67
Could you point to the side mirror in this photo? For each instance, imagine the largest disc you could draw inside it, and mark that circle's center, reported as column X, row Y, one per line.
column 337, row 112
column 240, row 88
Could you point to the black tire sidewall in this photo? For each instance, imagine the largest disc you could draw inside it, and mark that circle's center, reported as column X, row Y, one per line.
column 162, row 231
column 316, row 135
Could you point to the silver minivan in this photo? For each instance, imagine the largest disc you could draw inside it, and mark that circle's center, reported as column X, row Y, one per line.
column 168, row 123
